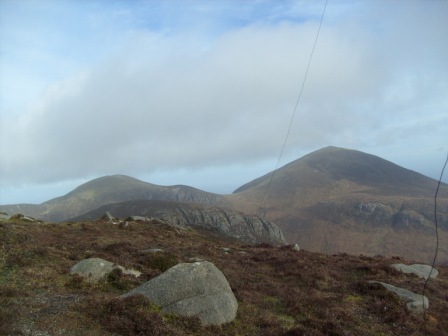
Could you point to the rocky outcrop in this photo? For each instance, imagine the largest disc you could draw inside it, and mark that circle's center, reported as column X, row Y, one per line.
column 192, row 289
column 19, row 218
column 422, row 271
column 230, row 223
column 248, row 228
column 373, row 213
column 107, row 216
column 406, row 218
column 94, row 269
column 139, row 218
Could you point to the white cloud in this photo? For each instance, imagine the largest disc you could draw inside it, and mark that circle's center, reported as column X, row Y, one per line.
column 167, row 99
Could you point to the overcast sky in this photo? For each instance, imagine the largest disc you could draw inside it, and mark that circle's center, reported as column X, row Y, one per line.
column 202, row 92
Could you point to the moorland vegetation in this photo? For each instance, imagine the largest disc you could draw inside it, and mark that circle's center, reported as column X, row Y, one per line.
column 280, row 291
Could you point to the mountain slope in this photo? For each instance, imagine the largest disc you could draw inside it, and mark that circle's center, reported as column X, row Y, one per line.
column 330, row 164
column 339, row 200
column 108, row 190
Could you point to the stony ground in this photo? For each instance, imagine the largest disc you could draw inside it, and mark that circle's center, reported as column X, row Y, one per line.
column 280, row 291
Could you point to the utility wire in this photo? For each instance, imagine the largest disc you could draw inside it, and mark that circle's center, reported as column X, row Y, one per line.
column 294, row 112
column 437, row 238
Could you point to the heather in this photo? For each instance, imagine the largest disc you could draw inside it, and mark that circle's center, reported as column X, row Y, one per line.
column 280, row 291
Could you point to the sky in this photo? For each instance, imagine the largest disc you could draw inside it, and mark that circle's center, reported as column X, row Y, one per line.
column 202, row 93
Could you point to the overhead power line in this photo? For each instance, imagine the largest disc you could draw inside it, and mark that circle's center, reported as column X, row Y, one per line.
column 261, row 203
column 437, row 237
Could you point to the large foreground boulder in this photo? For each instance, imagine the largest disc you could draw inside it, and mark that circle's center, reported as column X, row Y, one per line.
column 93, row 269
column 192, row 289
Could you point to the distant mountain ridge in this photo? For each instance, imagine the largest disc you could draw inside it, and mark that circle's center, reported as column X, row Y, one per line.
column 331, row 200
column 107, row 190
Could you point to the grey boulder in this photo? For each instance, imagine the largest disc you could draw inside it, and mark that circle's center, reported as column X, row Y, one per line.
column 415, row 302
column 93, row 269
column 422, row 271
column 192, row 289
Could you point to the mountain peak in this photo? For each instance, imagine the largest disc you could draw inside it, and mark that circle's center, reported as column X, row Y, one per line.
column 330, row 164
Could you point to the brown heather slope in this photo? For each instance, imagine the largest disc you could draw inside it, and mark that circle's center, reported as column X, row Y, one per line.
column 280, row 291
column 339, row 200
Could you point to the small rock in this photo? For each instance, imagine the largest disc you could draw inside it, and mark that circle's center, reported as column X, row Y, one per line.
column 153, row 250
column 93, row 269
column 422, row 271
column 296, row 247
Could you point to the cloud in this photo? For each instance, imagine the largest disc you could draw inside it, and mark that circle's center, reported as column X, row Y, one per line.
column 170, row 99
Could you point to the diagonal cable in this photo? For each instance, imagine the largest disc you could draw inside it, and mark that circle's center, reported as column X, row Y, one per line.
column 295, row 110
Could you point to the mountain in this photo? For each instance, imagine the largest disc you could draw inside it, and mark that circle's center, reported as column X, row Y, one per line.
column 108, row 190
column 225, row 222
column 322, row 167
column 331, row 200
column 339, row 200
